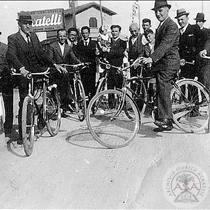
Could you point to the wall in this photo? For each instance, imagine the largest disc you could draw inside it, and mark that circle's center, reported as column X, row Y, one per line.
column 82, row 19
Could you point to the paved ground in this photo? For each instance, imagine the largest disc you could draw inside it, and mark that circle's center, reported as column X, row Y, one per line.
column 73, row 171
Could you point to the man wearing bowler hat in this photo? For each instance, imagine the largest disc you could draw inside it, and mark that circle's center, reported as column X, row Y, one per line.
column 189, row 45
column 25, row 54
column 165, row 60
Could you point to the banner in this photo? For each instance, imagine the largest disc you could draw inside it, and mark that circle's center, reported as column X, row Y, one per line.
column 47, row 20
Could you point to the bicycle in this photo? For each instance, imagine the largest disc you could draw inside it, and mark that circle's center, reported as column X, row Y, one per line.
column 48, row 112
column 78, row 91
column 116, row 121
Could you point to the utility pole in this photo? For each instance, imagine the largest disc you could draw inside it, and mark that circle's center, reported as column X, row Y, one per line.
column 72, row 7
column 101, row 13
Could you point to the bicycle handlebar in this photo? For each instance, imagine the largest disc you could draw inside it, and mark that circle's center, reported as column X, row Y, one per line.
column 121, row 69
column 76, row 65
column 31, row 74
column 205, row 56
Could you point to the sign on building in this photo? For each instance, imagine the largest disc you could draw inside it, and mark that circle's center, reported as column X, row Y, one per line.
column 47, row 20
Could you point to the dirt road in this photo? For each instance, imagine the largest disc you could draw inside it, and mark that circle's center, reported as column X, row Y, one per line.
column 72, row 170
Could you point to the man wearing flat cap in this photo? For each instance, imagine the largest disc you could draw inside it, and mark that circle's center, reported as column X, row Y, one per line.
column 165, row 60
column 25, row 54
column 189, row 45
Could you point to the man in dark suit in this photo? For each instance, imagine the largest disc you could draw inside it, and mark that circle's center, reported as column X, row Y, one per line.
column 25, row 54
column 205, row 65
column 115, row 57
column 61, row 53
column 166, row 61
column 86, row 51
column 188, row 45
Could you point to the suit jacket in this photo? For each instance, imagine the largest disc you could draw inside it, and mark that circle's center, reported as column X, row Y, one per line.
column 166, row 55
column 189, row 42
column 17, row 54
column 116, row 54
column 136, row 49
column 87, row 53
column 56, row 55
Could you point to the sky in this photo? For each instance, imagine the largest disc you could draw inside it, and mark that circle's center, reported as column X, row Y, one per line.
column 9, row 10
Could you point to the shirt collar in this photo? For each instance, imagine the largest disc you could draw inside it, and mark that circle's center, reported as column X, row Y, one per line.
column 182, row 30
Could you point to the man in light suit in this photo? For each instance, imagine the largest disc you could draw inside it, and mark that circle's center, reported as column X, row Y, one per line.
column 166, row 62
column 25, row 54
column 61, row 53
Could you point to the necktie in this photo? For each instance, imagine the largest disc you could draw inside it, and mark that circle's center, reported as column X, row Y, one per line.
column 86, row 43
column 28, row 38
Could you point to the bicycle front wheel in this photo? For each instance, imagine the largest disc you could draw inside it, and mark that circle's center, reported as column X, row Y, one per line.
column 140, row 96
column 28, row 125
column 109, row 124
column 52, row 112
column 80, row 102
column 101, row 85
column 190, row 105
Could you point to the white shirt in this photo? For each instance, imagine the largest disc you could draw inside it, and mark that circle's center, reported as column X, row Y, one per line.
column 133, row 39
column 62, row 47
column 86, row 41
column 182, row 30
column 24, row 35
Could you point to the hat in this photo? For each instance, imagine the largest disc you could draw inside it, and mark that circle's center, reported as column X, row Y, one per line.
column 161, row 3
column 181, row 12
column 200, row 17
column 24, row 16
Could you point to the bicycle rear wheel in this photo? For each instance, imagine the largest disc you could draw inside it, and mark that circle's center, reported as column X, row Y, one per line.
column 52, row 112
column 28, row 125
column 110, row 125
column 190, row 105
column 80, row 102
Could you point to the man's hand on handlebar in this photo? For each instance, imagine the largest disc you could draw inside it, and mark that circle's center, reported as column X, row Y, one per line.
column 24, row 72
column 203, row 53
column 61, row 69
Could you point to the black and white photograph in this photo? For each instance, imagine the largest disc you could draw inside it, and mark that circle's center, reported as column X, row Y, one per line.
column 104, row 104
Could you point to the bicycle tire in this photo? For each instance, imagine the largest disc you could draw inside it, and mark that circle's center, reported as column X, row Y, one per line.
column 141, row 91
column 52, row 112
column 28, row 125
column 80, row 102
column 190, row 105
column 101, row 85
column 109, row 125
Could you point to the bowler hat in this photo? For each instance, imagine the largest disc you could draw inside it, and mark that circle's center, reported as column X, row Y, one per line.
column 200, row 17
column 161, row 3
column 181, row 12
column 24, row 16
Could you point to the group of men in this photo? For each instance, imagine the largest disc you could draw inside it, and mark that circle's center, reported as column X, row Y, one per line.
column 164, row 49
column 169, row 49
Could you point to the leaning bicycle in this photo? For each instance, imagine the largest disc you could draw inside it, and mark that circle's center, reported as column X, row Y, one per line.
column 41, row 107
column 117, row 118
column 77, row 89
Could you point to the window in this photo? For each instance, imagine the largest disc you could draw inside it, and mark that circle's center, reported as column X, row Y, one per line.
column 93, row 22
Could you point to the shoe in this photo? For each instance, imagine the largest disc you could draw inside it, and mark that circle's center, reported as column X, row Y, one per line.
column 19, row 142
column 163, row 128
column 162, row 122
column 8, row 137
column 163, row 125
